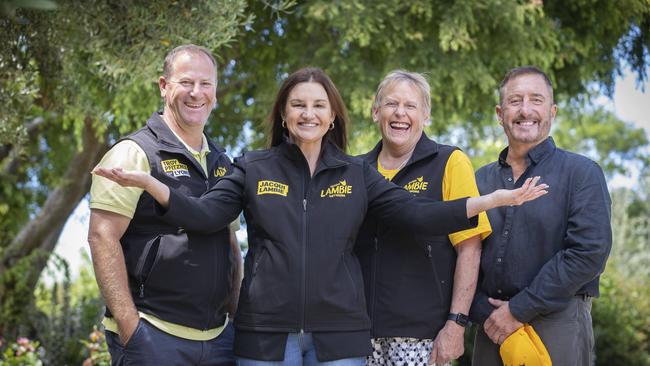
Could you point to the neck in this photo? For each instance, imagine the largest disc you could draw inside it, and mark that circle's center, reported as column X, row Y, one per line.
column 391, row 157
column 192, row 136
column 516, row 158
column 311, row 151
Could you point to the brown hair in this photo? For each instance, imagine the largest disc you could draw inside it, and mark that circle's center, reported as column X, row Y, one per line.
column 338, row 135
column 186, row 48
column 524, row 70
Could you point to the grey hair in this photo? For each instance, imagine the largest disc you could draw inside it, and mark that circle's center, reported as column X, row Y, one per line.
column 186, row 48
column 523, row 70
column 416, row 79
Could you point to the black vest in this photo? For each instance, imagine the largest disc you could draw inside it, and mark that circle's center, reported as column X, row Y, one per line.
column 408, row 277
column 178, row 276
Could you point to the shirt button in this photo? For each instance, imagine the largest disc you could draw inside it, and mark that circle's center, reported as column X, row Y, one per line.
column 499, row 260
column 506, row 232
column 509, row 179
column 499, row 291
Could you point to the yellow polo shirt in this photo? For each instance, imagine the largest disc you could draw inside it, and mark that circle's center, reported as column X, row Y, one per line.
column 458, row 182
column 110, row 196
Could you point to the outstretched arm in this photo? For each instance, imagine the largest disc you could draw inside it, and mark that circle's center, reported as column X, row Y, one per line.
column 529, row 191
column 157, row 190
column 392, row 204
column 211, row 212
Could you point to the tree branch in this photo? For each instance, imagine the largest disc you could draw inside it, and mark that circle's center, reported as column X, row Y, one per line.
column 32, row 128
column 61, row 202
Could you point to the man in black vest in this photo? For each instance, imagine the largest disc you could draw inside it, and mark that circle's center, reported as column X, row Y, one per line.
column 543, row 262
column 418, row 288
column 167, row 291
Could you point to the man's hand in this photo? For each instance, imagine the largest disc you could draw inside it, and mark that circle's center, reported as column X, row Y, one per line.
column 448, row 345
column 501, row 323
column 127, row 326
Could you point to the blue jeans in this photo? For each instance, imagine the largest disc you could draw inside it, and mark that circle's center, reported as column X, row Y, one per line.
column 300, row 351
column 150, row 346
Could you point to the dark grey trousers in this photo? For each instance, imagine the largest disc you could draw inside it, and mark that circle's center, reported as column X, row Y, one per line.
column 567, row 334
column 150, row 346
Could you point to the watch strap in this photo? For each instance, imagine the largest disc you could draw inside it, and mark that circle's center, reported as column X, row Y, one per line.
column 460, row 319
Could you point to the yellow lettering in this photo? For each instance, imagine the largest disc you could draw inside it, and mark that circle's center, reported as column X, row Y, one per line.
column 271, row 187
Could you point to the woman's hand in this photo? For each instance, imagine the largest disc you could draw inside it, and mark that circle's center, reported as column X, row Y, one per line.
column 158, row 190
column 125, row 178
column 529, row 191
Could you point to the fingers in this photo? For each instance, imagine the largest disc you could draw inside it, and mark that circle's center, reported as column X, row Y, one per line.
column 495, row 302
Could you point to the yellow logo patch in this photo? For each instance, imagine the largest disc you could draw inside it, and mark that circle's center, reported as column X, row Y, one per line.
column 271, row 187
column 340, row 189
column 175, row 168
column 220, row 171
column 417, row 185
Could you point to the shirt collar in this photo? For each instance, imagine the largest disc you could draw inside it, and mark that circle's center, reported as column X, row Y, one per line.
column 535, row 155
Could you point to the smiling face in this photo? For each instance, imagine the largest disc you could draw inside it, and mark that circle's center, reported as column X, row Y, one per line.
column 526, row 110
column 401, row 115
column 308, row 114
column 190, row 90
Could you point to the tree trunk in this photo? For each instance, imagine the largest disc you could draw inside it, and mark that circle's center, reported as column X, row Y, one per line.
column 43, row 231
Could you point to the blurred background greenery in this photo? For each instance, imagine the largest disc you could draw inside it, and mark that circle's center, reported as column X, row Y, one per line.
column 74, row 76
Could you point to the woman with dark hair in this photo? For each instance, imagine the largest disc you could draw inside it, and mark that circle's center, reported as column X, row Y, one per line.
column 304, row 200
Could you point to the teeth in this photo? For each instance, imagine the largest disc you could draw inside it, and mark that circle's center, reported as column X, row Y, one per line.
column 399, row 125
column 526, row 123
column 308, row 124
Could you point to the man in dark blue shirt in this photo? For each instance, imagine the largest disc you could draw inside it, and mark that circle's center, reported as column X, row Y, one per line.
column 542, row 263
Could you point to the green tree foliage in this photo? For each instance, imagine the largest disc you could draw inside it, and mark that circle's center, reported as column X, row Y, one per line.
column 75, row 78
column 622, row 313
column 464, row 46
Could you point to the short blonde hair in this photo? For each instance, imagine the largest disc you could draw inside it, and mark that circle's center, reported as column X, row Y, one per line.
column 419, row 81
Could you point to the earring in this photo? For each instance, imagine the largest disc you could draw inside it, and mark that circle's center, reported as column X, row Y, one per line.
column 332, row 125
column 284, row 124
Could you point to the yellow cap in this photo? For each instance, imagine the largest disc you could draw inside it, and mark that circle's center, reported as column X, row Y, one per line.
column 524, row 347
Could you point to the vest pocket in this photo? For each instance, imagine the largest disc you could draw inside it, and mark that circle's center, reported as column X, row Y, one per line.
column 146, row 262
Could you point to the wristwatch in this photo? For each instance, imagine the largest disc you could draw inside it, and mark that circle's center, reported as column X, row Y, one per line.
column 460, row 319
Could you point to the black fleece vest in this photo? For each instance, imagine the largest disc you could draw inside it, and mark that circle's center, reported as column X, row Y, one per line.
column 408, row 277
column 178, row 276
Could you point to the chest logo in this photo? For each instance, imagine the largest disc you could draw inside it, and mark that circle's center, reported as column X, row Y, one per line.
column 271, row 187
column 220, row 171
column 174, row 168
column 340, row 189
column 417, row 185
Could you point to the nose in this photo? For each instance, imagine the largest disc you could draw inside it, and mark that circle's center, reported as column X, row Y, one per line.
column 308, row 113
column 196, row 88
column 400, row 110
column 526, row 107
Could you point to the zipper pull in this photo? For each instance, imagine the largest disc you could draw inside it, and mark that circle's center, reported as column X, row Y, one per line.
column 141, row 290
column 376, row 244
column 304, row 204
column 429, row 251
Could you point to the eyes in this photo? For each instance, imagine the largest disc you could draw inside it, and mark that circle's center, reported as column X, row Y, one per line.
column 392, row 104
column 189, row 84
column 302, row 105
column 518, row 100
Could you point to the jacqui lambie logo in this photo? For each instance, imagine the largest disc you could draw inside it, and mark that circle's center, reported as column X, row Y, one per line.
column 340, row 189
column 219, row 171
column 174, row 168
column 417, row 185
column 271, row 187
